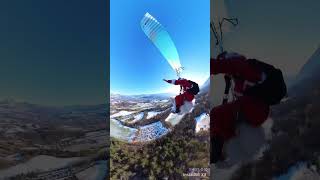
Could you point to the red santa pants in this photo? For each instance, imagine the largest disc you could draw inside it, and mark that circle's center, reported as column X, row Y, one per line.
column 223, row 118
column 182, row 97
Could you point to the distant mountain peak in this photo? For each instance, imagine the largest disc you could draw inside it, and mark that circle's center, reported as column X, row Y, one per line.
column 205, row 86
column 312, row 65
column 308, row 75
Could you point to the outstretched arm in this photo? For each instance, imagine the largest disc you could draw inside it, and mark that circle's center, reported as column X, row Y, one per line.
column 235, row 65
column 181, row 82
column 173, row 81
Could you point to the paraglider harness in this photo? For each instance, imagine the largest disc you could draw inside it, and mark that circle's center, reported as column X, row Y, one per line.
column 194, row 86
column 273, row 88
column 194, row 89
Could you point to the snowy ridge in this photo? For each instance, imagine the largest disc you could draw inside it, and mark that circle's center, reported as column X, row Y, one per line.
column 137, row 117
column 122, row 113
column 174, row 119
column 311, row 66
column 152, row 114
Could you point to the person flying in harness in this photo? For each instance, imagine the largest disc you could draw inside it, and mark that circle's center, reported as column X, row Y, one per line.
column 256, row 86
column 188, row 89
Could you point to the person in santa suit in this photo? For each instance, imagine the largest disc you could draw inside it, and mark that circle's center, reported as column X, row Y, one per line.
column 187, row 92
column 225, row 117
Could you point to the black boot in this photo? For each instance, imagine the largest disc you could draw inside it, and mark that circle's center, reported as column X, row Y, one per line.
column 216, row 149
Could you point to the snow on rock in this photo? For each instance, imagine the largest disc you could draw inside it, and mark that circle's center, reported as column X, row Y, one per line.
column 300, row 171
column 187, row 107
column 150, row 132
column 152, row 114
column 202, row 122
column 174, row 119
column 119, row 131
column 124, row 119
column 137, row 117
column 247, row 144
column 122, row 113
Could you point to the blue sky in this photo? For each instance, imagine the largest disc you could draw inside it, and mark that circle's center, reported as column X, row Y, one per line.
column 54, row 52
column 136, row 65
column 284, row 33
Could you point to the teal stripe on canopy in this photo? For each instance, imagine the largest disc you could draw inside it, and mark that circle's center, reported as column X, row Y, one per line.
column 162, row 40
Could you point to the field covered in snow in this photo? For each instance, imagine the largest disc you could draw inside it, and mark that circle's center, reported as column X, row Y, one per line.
column 39, row 163
column 126, row 115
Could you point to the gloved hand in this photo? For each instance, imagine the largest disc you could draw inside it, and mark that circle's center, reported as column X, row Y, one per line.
column 166, row 80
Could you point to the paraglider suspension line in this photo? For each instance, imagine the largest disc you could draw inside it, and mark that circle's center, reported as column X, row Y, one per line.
column 178, row 71
column 219, row 40
column 234, row 22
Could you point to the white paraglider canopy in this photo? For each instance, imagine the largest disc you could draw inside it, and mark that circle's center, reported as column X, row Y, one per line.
column 162, row 40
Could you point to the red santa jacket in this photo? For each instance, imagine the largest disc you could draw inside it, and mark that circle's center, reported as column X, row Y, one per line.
column 185, row 84
column 244, row 75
